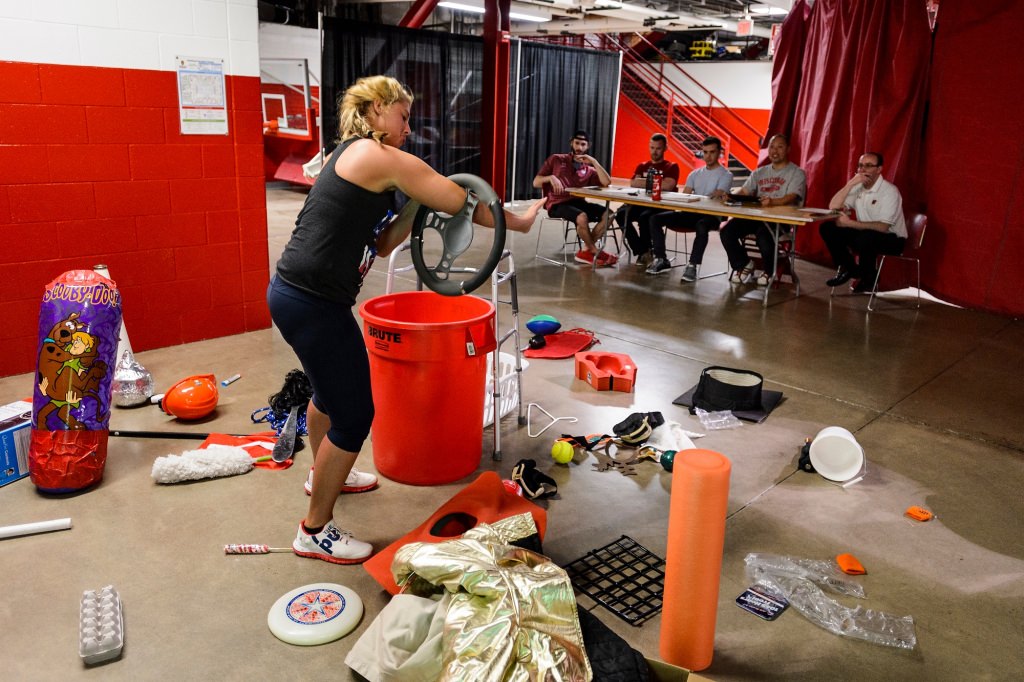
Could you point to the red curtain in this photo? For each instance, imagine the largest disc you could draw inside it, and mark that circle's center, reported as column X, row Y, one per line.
column 787, row 72
column 862, row 87
column 974, row 148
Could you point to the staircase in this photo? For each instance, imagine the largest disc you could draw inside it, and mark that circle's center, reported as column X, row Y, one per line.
column 671, row 110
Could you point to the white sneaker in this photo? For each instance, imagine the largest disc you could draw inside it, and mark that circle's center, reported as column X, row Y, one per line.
column 331, row 544
column 357, row 482
column 762, row 280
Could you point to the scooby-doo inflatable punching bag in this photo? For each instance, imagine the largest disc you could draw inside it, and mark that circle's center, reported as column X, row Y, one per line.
column 79, row 327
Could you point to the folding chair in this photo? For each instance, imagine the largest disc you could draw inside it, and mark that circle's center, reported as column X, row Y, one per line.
column 613, row 231
column 574, row 241
column 785, row 260
column 916, row 227
column 685, row 251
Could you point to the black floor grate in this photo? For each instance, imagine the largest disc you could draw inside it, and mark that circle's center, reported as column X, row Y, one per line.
column 622, row 576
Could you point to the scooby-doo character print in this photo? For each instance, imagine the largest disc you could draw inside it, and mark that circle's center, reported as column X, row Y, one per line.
column 79, row 326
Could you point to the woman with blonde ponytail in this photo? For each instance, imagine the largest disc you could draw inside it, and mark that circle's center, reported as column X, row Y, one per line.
column 347, row 220
column 356, row 102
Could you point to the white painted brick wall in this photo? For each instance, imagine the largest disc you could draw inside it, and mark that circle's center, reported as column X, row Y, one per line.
column 131, row 34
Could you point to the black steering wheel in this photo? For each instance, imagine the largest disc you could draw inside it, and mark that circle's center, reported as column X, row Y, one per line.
column 456, row 236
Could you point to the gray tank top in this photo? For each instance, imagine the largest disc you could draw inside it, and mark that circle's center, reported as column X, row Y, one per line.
column 333, row 244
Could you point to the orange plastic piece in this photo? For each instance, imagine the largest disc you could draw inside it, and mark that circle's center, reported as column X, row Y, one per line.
column 193, row 397
column 606, row 371
column 485, row 500
column 693, row 557
column 919, row 513
column 850, row 565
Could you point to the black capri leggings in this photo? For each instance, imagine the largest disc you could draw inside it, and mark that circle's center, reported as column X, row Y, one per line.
column 328, row 342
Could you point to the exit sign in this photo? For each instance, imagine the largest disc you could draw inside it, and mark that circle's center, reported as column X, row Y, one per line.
column 745, row 27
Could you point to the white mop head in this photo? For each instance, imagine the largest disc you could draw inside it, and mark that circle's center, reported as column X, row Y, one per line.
column 193, row 465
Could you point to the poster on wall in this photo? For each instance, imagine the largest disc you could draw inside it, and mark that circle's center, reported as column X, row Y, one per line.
column 202, row 102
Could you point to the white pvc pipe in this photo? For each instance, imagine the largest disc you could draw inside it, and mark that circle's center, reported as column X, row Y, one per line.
column 30, row 528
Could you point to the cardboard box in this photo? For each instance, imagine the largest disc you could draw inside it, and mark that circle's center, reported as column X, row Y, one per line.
column 15, row 419
column 665, row 672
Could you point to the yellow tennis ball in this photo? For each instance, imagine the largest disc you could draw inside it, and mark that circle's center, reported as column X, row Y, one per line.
column 562, row 452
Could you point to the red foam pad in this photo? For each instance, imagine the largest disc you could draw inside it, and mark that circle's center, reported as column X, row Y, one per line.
column 606, row 371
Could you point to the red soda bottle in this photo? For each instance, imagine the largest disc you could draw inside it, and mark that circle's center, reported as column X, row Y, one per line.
column 656, row 186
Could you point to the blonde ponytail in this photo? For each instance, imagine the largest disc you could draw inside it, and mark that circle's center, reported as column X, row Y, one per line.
column 356, row 103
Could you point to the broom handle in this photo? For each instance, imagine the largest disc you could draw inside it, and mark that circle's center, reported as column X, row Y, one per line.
column 183, row 435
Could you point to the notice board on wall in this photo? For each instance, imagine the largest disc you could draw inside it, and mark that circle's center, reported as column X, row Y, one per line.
column 202, row 99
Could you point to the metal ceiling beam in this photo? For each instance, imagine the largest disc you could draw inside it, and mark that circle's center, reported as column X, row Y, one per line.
column 418, row 13
column 599, row 23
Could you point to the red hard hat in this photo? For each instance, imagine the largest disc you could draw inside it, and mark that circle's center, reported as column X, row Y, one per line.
column 191, row 398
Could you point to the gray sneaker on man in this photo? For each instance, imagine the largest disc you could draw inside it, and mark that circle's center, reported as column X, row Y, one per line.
column 658, row 266
column 689, row 274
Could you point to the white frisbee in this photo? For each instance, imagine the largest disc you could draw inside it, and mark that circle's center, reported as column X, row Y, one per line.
column 315, row 614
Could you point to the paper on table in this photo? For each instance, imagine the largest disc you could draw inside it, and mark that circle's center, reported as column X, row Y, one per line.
column 816, row 211
column 679, row 196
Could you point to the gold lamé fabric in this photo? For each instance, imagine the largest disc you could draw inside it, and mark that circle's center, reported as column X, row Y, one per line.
column 512, row 613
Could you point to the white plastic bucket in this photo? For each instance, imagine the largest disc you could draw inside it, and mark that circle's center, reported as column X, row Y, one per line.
column 836, row 454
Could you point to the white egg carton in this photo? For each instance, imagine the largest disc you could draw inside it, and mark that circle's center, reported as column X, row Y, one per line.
column 101, row 628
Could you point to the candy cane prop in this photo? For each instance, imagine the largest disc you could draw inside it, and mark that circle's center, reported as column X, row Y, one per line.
column 253, row 549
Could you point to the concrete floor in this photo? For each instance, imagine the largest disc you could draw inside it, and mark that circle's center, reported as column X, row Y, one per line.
column 930, row 395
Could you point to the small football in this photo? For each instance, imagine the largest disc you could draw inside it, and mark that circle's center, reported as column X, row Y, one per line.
column 543, row 324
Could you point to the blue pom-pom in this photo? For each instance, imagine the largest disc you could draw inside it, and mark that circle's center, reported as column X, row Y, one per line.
column 543, row 324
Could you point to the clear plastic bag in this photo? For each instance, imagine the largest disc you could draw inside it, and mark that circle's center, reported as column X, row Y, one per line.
column 800, row 581
column 827, row 574
column 714, row 421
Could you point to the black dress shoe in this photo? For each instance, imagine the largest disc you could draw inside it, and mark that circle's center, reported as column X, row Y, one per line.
column 863, row 286
column 840, row 279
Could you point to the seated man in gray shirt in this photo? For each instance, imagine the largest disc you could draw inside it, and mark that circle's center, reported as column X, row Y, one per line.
column 714, row 181
column 780, row 183
column 870, row 223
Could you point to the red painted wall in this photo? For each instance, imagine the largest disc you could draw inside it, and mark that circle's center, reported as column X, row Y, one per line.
column 634, row 128
column 94, row 170
column 757, row 118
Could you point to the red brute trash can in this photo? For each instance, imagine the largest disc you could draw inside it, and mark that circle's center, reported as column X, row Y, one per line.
column 428, row 365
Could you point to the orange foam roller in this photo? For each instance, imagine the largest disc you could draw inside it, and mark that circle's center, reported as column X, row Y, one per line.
column 693, row 558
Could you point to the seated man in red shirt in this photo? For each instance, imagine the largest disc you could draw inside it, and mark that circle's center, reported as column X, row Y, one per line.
column 561, row 172
column 639, row 237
